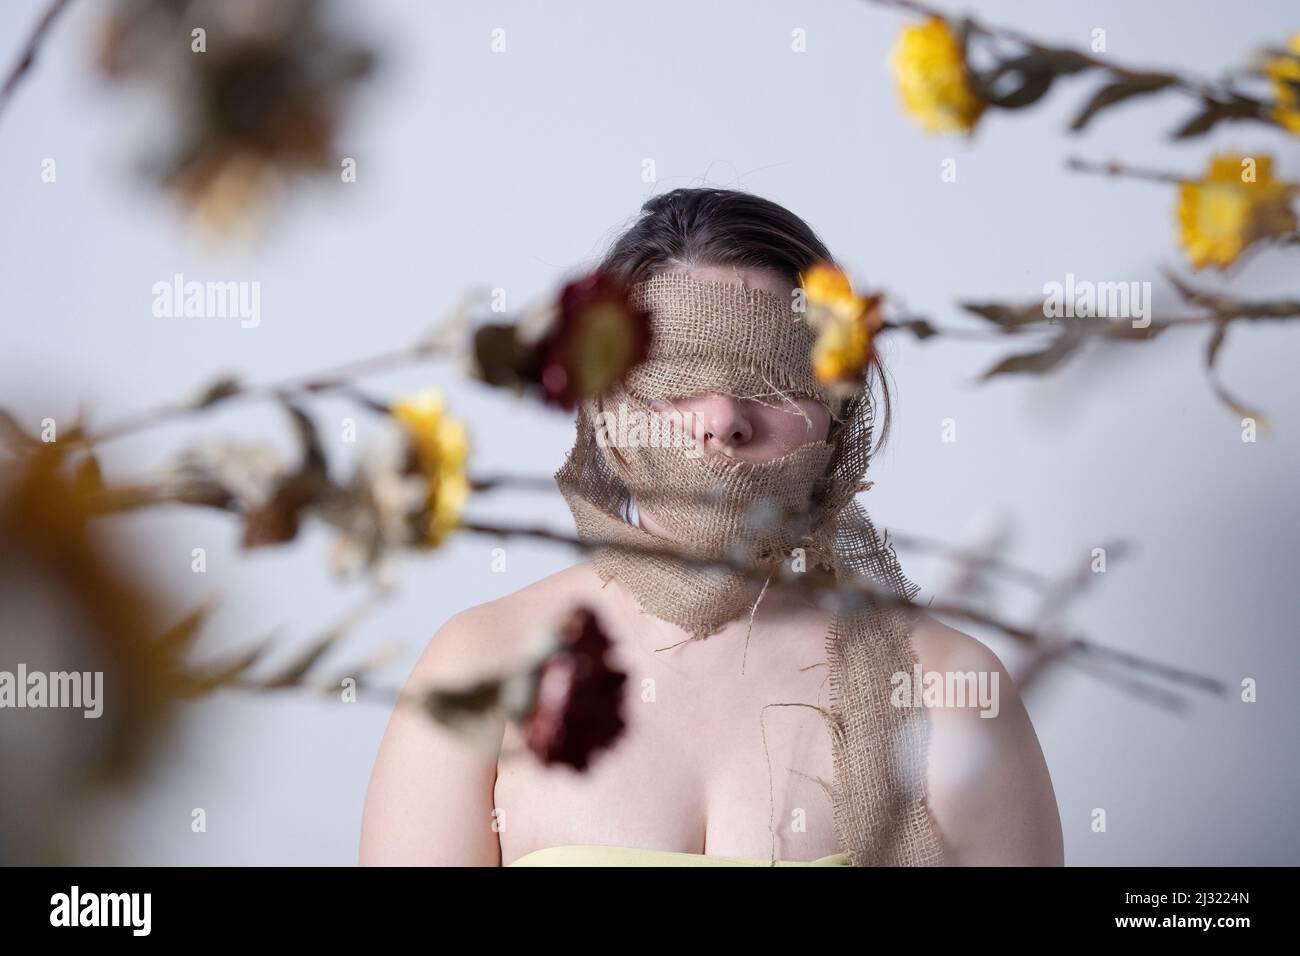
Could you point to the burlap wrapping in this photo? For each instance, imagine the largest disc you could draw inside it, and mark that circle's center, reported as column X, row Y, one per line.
column 723, row 337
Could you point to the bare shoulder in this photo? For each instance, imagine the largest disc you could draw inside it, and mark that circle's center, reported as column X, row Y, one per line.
column 430, row 801
column 940, row 647
column 990, row 792
column 479, row 640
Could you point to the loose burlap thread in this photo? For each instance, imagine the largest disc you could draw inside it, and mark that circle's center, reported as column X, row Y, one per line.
column 723, row 337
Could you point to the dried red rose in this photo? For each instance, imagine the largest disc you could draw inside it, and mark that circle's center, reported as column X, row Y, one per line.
column 577, row 707
column 597, row 338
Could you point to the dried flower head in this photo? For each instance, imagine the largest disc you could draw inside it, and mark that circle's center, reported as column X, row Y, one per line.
column 597, row 337
column 573, row 348
column 1238, row 202
column 577, row 706
column 846, row 324
column 1284, row 70
column 257, row 95
column 933, row 78
column 438, row 450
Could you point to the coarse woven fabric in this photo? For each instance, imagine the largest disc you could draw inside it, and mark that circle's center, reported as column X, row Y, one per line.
column 709, row 336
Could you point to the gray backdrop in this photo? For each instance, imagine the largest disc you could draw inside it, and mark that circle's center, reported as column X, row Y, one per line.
column 511, row 169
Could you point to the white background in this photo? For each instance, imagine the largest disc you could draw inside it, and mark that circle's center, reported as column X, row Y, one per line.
column 515, row 169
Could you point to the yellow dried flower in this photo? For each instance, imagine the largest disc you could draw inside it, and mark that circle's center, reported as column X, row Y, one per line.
column 1236, row 203
column 440, row 447
column 1284, row 71
column 845, row 324
column 933, row 82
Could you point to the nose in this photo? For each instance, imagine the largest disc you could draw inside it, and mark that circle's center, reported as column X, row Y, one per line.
column 724, row 423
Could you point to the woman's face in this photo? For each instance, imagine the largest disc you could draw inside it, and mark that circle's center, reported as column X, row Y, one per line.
column 749, row 429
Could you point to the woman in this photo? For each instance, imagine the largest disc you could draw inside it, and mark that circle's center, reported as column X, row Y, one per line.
column 763, row 726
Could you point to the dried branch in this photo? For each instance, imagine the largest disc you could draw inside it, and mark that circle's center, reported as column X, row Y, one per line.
column 1120, row 170
column 1042, row 63
column 834, row 593
column 337, row 380
column 825, row 591
column 272, row 513
column 30, row 50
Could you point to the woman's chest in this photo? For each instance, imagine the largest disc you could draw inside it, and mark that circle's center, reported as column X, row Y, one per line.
column 710, row 761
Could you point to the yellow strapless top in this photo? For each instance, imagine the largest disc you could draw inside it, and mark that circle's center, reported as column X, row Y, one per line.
column 592, row 855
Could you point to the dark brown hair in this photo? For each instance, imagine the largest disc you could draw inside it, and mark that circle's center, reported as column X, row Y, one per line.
column 724, row 227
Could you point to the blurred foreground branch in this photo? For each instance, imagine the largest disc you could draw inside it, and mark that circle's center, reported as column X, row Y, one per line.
column 29, row 51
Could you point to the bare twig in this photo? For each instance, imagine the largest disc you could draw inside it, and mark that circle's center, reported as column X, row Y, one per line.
column 27, row 56
column 336, row 379
column 1231, row 307
column 867, row 589
column 1119, row 170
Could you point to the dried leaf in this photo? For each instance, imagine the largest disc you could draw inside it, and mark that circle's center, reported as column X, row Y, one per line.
column 1032, row 89
column 1128, row 332
column 463, row 708
column 499, row 358
column 1226, row 306
column 1036, row 363
column 1201, row 123
column 1114, row 93
column 293, row 674
column 1007, row 316
column 1230, row 401
column 178, row 638
column 221, row 389
column 88, row 479
column 278, row 520
column 920, row 328
column 1215, row 112
column 223, row 674
column 1036, row 72
column 1216, row 341
column 1235, row 405
column 313, row 460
